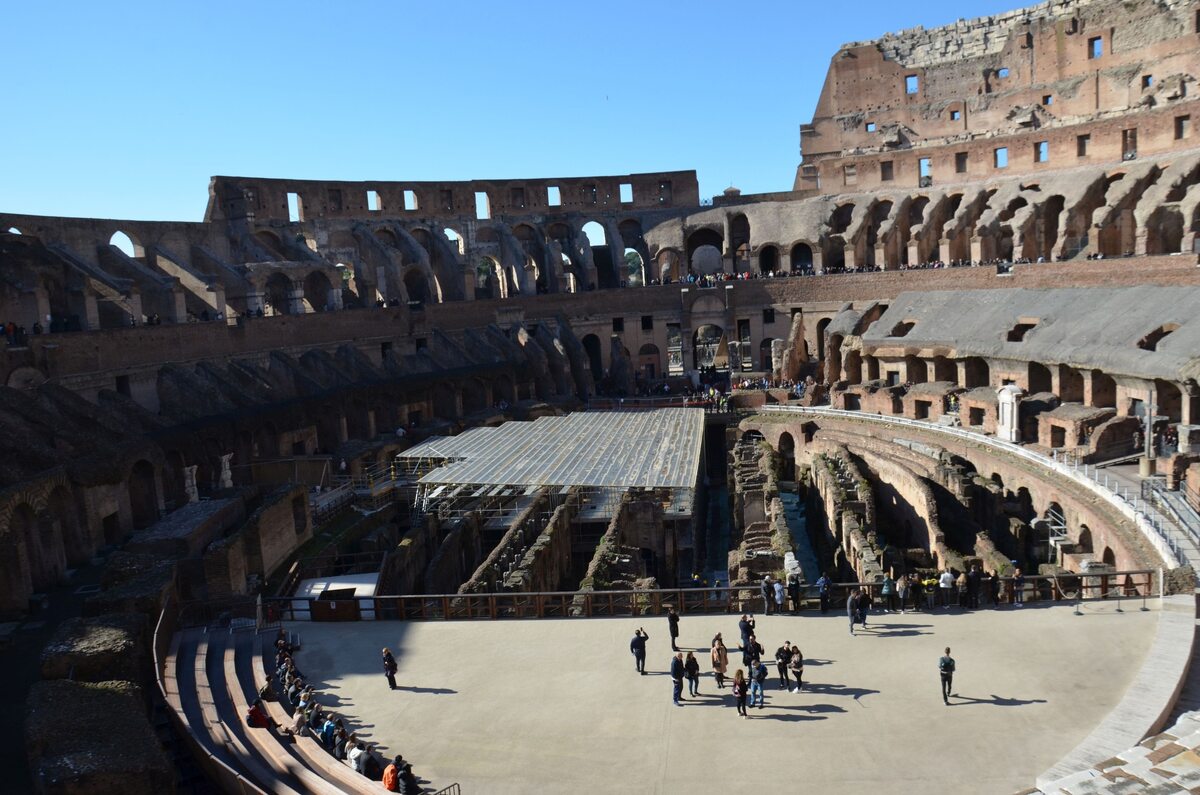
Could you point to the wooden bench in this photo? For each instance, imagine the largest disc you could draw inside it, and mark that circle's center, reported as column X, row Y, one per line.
column 307, row 749
column 265, row 741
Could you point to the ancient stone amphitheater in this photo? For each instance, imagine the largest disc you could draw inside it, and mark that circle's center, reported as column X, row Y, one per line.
column 968, row 336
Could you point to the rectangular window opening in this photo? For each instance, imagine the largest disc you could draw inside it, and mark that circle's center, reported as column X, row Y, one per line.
column 553, row 196
column 1095, row 47
column 1047, row 99
column 516, row 198
column 647, row 322
column 123, row 386
column 887, row 171
column 1183, row 127
column 483, row 207
column 960, row 162
column 410, row 200
column 618, row 324
column 769, row 315
column 374, row 204
column 870, row 126
column 1002, row 72
column 1147, row 81
column 1129, row 144
column 626, row 193
column 1081, row 145
column 850, row 174
column 955, row 115
column 911, row 84
column 1000, row 157
column 295, row 207
column 1041, row 152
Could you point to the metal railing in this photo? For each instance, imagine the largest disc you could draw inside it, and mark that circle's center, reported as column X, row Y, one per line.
column 724, row 600
column 453, row 789
column 1129, row 504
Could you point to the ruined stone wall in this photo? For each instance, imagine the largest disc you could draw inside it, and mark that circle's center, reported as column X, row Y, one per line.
column 617, row 564
column 546, row 565
column 456, row 557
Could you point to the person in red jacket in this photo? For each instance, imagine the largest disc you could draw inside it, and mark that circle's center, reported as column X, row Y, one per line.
column 257, row 717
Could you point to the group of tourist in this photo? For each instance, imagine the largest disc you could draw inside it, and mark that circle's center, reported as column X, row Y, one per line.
column 309, row 718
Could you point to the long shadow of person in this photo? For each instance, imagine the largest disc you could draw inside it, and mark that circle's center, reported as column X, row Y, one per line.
column 838, row 690
column 995, row 701
column 438, row 691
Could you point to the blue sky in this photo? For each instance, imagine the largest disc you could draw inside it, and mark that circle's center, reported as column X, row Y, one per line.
column 124, row 109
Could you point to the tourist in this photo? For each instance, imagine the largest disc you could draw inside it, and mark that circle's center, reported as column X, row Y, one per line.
column 746, row 628
column 1018, row 582
column 328, row 730
column 296, row 727
column 852, row 608
column 391, row 775
column 902, row 590
column 720, row 661
column 267, row 691
column 257, row 717
column 691, row 668
column 637, row 648
column 961, row 585
column 794, row 591
column 673, row 625
column 357, row 757
column 389, row 668
column 946, row 587
column 768, row 594
column 888, row 594
column 796, row 664
column 758, row 678
column 823, row 592
column 408, row 781
column 739, row 692
column 677, row 673
column 340, row 738
column 864, row 603
column 918, row 592
column 974, row 580
column 780, row 595
column 751, row 652
column 783, row 660
column 946, row 669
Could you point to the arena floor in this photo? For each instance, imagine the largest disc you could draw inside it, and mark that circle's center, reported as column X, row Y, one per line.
column 554, row 706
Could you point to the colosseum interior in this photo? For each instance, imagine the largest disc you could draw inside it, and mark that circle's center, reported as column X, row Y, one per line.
column 968, row 338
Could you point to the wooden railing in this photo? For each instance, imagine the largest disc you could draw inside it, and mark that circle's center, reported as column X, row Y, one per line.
column 724, row 600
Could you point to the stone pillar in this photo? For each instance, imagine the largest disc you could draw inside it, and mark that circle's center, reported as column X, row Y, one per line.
column 91, row 311
column 189, row 483
column 226, row 474
column 881, row 257
column 255, row 300
column 334, row 298
column 976, row 248
column 296, row 300
column 1008, row 425
column 1088, row 398
column 914, row 251
column 944, row 250
column 818, row 260
column 135, row 308
column 851, row 261
column 178, row 306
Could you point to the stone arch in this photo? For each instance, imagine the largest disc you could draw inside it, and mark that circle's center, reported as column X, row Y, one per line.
column 128, row 243
column 822, row 324
column 1084, row 543
column 853, row 367
column 416, row 284
column 839, row 219
column 142, row 485
column 768, row 259
column 670, row 266
column 278, row 289
column 801, row 257
column 455, row 238
column 489, row 279
column 1109, row 557
column 710, row 348
column 879, row 215
column 705, row 237
column 787, row 456
column 318, row 292
column 1165, row 230
column 976, row 373
column 739, row 240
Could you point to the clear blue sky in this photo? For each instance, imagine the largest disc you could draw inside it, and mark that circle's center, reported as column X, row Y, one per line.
column 124, row 109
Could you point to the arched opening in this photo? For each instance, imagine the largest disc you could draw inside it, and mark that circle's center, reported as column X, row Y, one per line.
column 1048, row 226
column 669, row 266
column 591, row 346
column 879, row 215
column 739, row 241
column 456, row 240
column 634, row 272
column 278, row 289
column 1039, row 377
column 822, row 324
column 710, row 349
column 602, row 256
column 474, row 396
column 944, row 369
column 1165, row 231
column 318, row 292
column 417, row 286
column 712, row 242
column 1169, row 399
column 833, row 359
column 802, row 258
column 1104, row 390
column 976, row 373
column 918, row 371
column 768, row 259
column 489, row 279
column 1084, row 544
column 787, row 457
column 1109, row 557
column 1070, row 384
column 127, row 244
column 839, row 221
column 649, row 361
column 853, row 367
column 143, row 494
column 765, row 358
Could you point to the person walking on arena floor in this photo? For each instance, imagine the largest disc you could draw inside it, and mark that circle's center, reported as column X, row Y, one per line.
column 797, row 667
column 758, row 678
column 677, row 673
column 673, row 625
column 746, row 628
column 852, row 608
column 637, row 647
column 751, row 652
column 720, row 661
column 740, row 689
column 946, row 669
column 823, row 592
column 780, row 596
column 691, row 667
column 783, row 660
column 389, row 668
column 768, row 594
